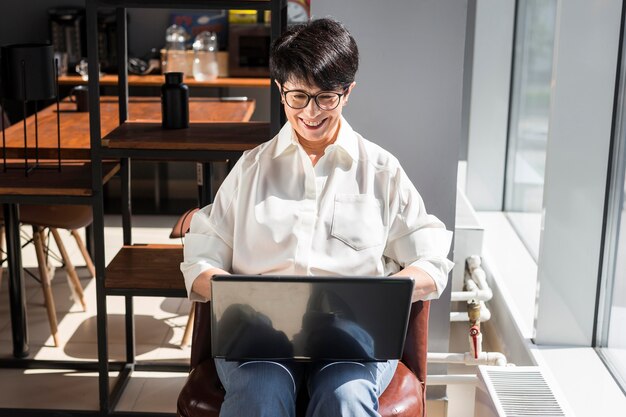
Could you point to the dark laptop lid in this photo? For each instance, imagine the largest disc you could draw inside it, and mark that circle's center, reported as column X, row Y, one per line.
column 309, row 318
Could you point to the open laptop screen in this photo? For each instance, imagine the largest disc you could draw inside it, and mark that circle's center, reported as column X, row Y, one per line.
column 309, row 318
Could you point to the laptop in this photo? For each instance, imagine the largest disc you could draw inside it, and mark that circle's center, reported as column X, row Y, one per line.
column 303, row 318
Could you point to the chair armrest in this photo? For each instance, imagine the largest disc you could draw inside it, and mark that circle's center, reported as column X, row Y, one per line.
column 201, row 338
column 416, row 344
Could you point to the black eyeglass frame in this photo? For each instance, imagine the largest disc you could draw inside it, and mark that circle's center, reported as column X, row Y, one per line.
column 284, row 92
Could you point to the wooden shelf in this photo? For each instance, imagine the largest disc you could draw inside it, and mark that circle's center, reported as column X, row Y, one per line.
column 189, row 4
column 147, row 270
column 199, row 136
column 158, row 80
column 73, row 180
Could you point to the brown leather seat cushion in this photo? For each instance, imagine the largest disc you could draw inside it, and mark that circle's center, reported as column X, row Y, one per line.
column 59, row 216
column 404, row 396
column 202, row 394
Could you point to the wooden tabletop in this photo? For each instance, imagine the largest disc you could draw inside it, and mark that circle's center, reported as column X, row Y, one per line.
column 74, row 179
column 75, row 139
column 158, row 80
column 146, row 267
column 216, row 136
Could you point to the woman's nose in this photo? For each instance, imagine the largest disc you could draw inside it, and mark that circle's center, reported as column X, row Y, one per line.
column 312, row 108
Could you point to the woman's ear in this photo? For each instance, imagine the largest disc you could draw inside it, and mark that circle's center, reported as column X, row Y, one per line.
column 347, row 94
column 280, row 90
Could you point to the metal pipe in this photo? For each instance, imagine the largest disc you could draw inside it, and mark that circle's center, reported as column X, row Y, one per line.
column 452, row 379
column 484, row 358
column 478, row 282
column 473, row 311
column 480, row 295
column 476, row 287
column 485, row 314
column 436, row 357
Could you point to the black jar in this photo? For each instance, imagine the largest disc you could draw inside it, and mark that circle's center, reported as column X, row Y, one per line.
column 175, row 101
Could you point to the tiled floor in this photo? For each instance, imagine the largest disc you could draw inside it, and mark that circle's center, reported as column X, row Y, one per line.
column 159, row 327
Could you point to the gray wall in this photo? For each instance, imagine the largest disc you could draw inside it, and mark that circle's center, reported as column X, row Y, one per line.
column 408, row 99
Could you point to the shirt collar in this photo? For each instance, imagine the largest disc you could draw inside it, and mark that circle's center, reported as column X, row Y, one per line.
column 286, row 138
column 346, row 140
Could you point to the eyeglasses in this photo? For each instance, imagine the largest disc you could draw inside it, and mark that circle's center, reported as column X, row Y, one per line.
column 325, row 100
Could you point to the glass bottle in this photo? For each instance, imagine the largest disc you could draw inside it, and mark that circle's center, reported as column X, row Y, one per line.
column 205, row 56
column 174, row 102
column 175, row 55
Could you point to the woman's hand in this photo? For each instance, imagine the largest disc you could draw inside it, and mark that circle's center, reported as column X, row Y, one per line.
column 424, row 283
column 202, row 284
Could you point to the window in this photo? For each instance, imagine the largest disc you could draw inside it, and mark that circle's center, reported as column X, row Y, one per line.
column 615, row 351
column 529, row 118
column 612, row 338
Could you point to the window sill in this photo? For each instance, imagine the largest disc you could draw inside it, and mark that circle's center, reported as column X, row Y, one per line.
column 513, row 268
column 582, row 377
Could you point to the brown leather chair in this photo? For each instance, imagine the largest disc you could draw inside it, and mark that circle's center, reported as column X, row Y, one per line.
column 202, row 394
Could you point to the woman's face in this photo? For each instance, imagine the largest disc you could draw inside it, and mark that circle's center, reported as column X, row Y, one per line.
column 311, row 122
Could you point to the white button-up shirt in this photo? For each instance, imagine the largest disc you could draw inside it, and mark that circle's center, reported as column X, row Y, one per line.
column 354, row 213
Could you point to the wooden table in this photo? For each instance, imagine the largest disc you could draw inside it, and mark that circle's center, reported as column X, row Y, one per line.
column 158, row 80
column 75, row 141
column 74, row 179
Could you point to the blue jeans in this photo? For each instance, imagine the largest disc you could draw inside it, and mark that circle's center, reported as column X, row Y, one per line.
column 263, row 388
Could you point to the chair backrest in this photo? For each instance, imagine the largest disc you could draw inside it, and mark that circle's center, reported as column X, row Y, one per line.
column 182, row 224
column 415, row 346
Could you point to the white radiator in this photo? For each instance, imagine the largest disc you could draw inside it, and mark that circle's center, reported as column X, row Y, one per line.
column 517, row 391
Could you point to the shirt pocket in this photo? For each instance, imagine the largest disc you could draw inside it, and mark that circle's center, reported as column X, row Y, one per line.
column 357, row 221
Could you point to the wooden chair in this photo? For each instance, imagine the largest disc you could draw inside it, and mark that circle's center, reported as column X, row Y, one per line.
column 202, row 394
column 54, row 217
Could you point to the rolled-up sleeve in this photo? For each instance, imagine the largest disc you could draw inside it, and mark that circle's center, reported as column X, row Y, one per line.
column 209, row 243
column 417, row 238
column 204, row 249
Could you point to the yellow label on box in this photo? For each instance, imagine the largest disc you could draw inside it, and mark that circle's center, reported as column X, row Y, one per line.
column 242, row 16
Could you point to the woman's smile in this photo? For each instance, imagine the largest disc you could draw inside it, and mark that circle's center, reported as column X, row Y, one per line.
column 313, row 124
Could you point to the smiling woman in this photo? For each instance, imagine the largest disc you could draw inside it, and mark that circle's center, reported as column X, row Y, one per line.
column 315, row 115
column 316, row 200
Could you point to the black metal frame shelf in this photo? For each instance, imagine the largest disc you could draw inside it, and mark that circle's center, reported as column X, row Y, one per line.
column 102, row 150
column 189, row 4
column 67, row 186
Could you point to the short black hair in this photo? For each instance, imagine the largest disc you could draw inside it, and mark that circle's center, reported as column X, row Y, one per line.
column 320, row 52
